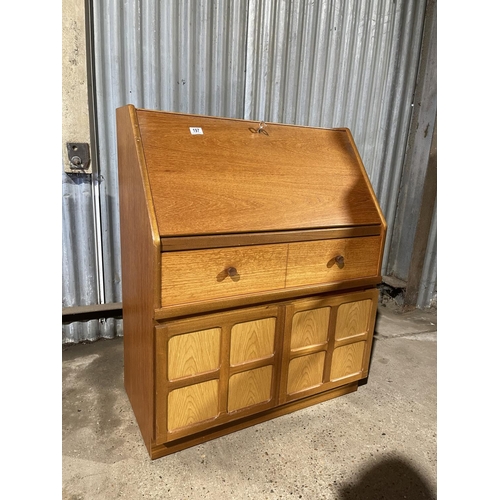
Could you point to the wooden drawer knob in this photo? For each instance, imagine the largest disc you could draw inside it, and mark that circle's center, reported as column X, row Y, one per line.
column 339, row 260
column 232, row 272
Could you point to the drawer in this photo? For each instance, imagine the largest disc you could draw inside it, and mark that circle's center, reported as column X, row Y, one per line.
column 197, row 275
column 313, row 262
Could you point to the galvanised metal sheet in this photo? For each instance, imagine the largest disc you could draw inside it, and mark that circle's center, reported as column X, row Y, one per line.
column 427, row 294
column 328, row 63
column 78, row 248
column 79, row 261
column 91, row 330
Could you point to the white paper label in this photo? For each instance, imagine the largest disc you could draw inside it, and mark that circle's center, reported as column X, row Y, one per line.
column 196, row 130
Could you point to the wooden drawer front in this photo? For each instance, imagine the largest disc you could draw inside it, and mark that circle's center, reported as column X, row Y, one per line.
column 313, row 262
column 197, row 275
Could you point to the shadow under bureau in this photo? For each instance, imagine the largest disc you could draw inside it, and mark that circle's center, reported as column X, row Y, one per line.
column 250, row 259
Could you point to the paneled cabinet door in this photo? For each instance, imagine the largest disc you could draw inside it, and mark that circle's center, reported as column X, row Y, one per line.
column 216, row 368
column 327, row 343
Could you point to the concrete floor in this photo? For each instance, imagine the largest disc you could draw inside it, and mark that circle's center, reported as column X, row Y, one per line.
column 376, row 443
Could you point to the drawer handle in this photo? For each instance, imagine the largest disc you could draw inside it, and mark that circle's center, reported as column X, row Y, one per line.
column 232, row 272
column 339, row 260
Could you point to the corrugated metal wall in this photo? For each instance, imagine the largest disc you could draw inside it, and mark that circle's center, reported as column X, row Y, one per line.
column 329, row 63
column 80, row 283
column 427, row 292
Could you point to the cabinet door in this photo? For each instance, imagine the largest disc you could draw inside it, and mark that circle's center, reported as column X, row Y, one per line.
column 327, row 343
column 216, row 368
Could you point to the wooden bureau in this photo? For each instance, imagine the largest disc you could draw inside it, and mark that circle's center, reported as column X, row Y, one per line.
column 250, row 258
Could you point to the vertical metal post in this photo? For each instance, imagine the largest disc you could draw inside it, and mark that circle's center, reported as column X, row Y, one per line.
column 423, row 228
column 94, row 146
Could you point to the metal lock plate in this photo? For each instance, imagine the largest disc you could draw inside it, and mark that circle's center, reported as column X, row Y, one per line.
column 79, row 157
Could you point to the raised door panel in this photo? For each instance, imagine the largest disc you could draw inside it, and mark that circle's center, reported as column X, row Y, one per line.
column 305, row 347
column 305, row 372
column 215, row 368
column 252, row 340
column 193, row 353
column 353, row 319
column 253, row 363
column 354, row 326
column 347, row 360
column 250, row 388
column 310, row 327
column 193, row 404
column 188, row 367
column 327, row 343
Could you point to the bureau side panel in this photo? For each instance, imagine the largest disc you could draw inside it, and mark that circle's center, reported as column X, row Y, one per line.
column 140, row 257
column 383, row 232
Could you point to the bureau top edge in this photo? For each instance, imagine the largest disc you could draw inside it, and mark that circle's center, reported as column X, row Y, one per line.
column 257, row 123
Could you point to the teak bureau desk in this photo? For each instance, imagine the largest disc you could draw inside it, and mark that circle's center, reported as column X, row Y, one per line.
column 250, row 258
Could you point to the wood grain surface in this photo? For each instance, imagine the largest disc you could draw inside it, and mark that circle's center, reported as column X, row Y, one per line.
column 310, row 327
column 173, row 243
column 140, row 263
column 312, row 262
column 347, row 360
column 249, row 388
column 252, row 340
column 353, row 318
column 193, row 404
column 305, row 372
column 194, row 353
column 230, row 179
column 197, row 275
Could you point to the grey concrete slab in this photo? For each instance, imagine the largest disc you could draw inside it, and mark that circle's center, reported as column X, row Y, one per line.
column 392, row 322
column 379, row 442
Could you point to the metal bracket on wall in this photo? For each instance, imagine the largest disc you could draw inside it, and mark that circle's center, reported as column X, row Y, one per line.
column 79, row 157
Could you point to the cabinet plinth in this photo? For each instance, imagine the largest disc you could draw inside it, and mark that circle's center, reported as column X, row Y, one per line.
column 250, row 263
